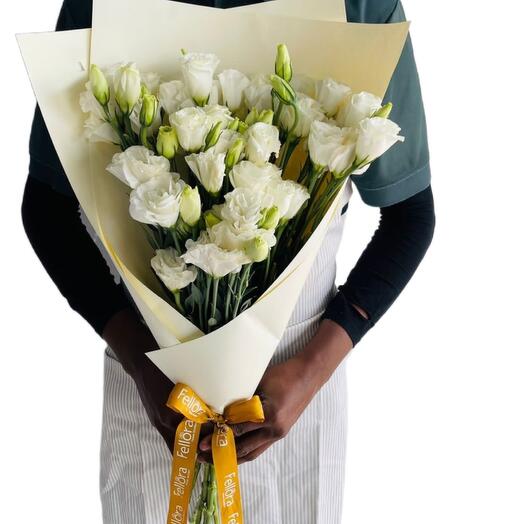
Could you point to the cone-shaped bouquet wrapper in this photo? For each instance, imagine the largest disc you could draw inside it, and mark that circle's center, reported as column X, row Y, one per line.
column 226, row 365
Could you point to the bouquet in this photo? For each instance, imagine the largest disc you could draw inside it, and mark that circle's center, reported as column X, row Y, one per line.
column 212, row 189
column 208, row 161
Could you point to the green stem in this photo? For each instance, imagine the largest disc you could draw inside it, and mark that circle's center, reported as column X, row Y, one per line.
column 278, row 112
column 325, row 201
column 209, row 278
column 143, row 137
column 242, row 286
column 178, row 303
column 216, row 281
column 129, row 130
column 113, row 121
column 197, row 516
column 272, row 255
column 176, row 241
column 289, row 147
column 230, row 283
column 305, row 171
column 210, row 501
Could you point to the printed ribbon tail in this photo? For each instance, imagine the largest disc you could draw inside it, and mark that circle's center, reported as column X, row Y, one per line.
column 184, row 400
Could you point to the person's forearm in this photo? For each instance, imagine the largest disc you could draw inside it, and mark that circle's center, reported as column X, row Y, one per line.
column 323, row 354
column 386, row 266
column 63, row 245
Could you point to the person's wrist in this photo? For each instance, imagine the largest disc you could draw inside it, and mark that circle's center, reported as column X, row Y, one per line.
column 324, row 352
column 129, row 338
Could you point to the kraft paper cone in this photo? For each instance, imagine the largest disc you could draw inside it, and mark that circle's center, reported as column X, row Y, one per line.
column 220, row 366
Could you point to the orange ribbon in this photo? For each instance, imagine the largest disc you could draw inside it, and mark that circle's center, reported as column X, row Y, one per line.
column 184, row 400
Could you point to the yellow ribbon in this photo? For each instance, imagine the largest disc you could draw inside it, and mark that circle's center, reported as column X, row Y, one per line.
column 184, row 400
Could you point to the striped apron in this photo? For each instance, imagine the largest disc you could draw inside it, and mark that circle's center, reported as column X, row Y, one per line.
column 298, row 480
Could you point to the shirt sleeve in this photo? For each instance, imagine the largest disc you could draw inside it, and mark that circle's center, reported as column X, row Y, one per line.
column 404, row 170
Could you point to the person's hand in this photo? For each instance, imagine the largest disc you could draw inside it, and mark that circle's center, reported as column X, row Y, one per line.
column 130, row 339
column 286, row 390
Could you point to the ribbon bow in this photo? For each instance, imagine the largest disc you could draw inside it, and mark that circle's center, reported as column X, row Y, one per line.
column 184, row 400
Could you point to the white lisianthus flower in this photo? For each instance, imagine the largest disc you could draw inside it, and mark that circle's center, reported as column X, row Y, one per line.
column 192, row 126
column 344, row 155
column 172, row 270
column 245, row 174
column 137, row 165
column 226, row 236
column 210, row 168
column 356, row 108
column 89, row 104
column 216, row 113
column 304, row 84
column 331, row 94
column 242, row 209
column 152, row 82
column 262, row 142
column 288, row 196
column 258, row 93
column 215, row 97
column 212, row 259
column 225, row 141
column 324, row 138
column 198, row 70
column 309, row 110
column 233, row 83
column 173, row 96
column 128, row 87
column 98, row 130
column 376, row 136
column 157, row 201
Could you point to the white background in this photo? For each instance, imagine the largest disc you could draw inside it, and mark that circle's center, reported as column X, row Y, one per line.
column 435, row 390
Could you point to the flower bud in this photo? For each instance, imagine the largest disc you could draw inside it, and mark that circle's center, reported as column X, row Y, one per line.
column 149, row 110
column 252, row 117
column 99, row 85
column 211, row 219
column 266, row 117
column 213, row 136
column 167, row 142
column 190, row 205
column 270, row 218
column 233, row 126
column 127, row 88
column 257, row 249
column 234, row 153
column 242, row 127
column 384, row 111
column 283, row 89
column 283, row 67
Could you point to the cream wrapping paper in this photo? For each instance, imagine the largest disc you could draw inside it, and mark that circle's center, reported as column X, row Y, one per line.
column 220, row 366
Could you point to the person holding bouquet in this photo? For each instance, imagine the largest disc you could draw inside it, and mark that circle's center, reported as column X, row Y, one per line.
column 298, row 474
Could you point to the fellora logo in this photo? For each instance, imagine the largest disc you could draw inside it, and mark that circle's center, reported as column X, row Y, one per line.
column 234, row 519
column 193, row 405
column 177, row 516
column 229, row 492
column 185, row 437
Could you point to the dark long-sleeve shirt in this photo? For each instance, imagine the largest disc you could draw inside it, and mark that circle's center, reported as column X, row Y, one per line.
column 398, row 183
